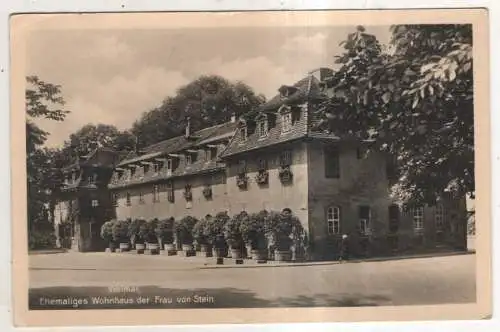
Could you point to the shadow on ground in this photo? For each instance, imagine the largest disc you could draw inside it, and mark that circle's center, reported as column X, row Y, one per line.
column 148, row 297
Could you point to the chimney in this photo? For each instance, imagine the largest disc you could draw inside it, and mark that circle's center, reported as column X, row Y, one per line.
column 233, row 117
column 188, row 127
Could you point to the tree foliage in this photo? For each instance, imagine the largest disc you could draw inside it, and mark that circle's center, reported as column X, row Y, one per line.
column 415, row 100
column 207, row 101
column 42, row 100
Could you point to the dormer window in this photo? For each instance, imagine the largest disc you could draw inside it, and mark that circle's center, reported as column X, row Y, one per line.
column 286, row 91
column 286, row 122
column 243, row 134
column 132, row 171
column 212, row 153
column 189, row 159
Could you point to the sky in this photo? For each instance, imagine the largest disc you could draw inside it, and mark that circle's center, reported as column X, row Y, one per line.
column 113, row 76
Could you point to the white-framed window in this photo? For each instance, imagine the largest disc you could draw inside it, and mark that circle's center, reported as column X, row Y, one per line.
column 262, row 128
column 189, row 159
column 156, row 193
column 243, row 133
column 439, row 216
column 141, row 197
column 418, row 218
column 364, row 213
column 128, row 201
column 333, row 220
column 95, row 203
column 286, row 122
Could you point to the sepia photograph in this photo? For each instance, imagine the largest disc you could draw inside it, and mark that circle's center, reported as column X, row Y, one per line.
column 215, row 162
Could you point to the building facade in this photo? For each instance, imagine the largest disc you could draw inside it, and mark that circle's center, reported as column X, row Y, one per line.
column 276, row 158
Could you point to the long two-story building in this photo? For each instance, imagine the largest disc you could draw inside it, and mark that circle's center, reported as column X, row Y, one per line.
column 276, row 158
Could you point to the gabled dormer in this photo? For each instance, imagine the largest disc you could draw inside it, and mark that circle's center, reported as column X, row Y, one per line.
column 262, row 125
column 242, row 131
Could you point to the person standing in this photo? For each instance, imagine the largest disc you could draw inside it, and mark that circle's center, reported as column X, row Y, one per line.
column 344, row 248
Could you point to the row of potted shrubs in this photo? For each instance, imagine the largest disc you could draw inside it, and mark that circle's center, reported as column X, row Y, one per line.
column 263, row 235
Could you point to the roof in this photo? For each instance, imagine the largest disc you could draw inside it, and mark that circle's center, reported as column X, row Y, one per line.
column 307, row 91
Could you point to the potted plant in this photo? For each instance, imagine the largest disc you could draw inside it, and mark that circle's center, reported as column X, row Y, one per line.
column 107, row 234
column 279, row 229
column 184, row 229
column 262, row 177
column 165, row 233
column 135, row 235
column 232, row 234
column 188, row 195
column 254, row 236
column 201, row 237
column 147, row 232
column 285, row 174
column 207, row 192
column 242, row 181
column 120, row 233
column 214, row 231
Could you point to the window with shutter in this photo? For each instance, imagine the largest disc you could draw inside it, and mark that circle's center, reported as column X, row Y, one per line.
column 332, row 162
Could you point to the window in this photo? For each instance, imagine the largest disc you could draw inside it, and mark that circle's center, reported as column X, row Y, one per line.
column 332, row 162
column 439, row 217
column 114, row 199
column 286, row 122
column 132, row 171
column 262, row 164
column 170, row 192
column 157, row 167
column 393, row 218
column 212, row 153
column 286, row 158
column 418, row 218
column 156, row 193
column 141, row 197
column 364, row 219
column 146, row 169
column 242, row 166
column 262, row 128
column 169, row 166
column 333, row 220
column 92, row 179
column 189, row 159
column 120, row 174
column 95, row 203
column 243, row 134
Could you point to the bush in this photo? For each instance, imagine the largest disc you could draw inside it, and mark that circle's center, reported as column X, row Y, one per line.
column 147, row 231
column 134, row 230
column 120, row 231
column 232, row 232
column 184, row 229
column 200, row 231
column 165, row 230
column 214, row 229
column 107, row 231
column 42, row 240
column 253, row 230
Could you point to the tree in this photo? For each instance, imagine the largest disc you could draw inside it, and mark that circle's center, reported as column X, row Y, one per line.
column 414, row 100
column 91, row 136
column 42, row 100
column 208, row 101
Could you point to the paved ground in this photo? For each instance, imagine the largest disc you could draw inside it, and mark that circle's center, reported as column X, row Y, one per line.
column 448, row 279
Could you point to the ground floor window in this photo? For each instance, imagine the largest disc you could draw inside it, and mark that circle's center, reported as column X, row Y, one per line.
column 394, row 218
column 333, row 220
column 418, row 218
column 364, row 213
column 439, row 217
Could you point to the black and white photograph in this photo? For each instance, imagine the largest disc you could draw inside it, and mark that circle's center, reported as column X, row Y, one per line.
column 207, row 166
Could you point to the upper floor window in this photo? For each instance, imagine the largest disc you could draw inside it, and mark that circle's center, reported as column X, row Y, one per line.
column 156, row 193
column 157, row 167
column 332, row 162
column 212, row 153
column 132, row 171
column 243, row 133
column 364, row 219
column 95, row 203
column 114, row 199
column 286, row 122
column 262, row 164
column 170, row 192
column 262, row 128
column 418, row 218
column 286, row 158
column 333, row 220
column 128, row 200
column 141, row 197
column 146, row 168
column 170, row 166
column 242, row 166
column 92, row 179
column 189, row 159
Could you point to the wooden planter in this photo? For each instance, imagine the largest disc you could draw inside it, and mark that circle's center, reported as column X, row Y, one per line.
column 205, row 250
column 124, row 246
column 170, row 249
column 153, row 248
column 282, row 255
column 188, row 250
column 140, row 247
column 259, row 254
column 236, row 253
